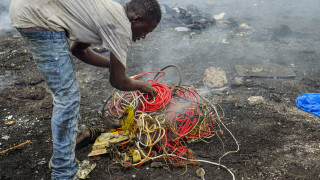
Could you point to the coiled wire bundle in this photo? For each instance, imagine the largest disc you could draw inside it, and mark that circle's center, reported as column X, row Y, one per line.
column 162, row 125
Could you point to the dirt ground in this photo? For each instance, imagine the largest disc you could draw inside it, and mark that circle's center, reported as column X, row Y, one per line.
column 276, row 139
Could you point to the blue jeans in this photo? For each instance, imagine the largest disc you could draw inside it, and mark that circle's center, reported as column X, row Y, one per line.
column 50, row 50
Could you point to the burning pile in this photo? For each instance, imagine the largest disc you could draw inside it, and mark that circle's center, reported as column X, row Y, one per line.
column 157, row 129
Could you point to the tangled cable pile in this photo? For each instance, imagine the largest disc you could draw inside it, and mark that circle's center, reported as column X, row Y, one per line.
column 159, row 128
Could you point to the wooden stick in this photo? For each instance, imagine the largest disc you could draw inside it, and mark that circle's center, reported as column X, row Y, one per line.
column 15, row 147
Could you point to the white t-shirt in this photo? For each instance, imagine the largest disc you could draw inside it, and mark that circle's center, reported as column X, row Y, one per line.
column 90, row 21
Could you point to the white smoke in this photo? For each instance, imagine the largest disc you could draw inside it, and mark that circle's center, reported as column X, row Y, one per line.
column 251, row 31
column 5, row 23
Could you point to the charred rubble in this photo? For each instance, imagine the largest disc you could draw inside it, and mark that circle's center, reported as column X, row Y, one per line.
column 190, row 17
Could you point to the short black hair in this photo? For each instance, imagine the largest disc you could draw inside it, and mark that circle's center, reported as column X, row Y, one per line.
column 149, row 9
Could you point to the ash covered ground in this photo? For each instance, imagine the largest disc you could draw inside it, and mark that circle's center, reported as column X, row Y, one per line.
column 277, row 140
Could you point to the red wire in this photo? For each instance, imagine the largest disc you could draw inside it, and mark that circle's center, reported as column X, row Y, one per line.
column 162, row 74
column 185, row 119
column 163, row 94
column 163, row 97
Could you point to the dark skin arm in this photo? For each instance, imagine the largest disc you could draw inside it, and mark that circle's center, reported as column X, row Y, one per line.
column 120, row 80
column 118, row 76
column 87, row 55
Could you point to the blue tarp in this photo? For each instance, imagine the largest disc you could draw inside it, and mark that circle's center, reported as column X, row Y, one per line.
column 309, row 102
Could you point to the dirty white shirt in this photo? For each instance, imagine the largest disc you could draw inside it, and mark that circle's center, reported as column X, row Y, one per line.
column 90, row 21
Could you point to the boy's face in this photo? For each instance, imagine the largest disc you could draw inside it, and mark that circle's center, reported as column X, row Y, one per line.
column 141, row 28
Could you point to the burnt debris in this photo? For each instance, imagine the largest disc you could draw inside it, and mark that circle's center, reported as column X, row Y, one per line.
column 191, row 17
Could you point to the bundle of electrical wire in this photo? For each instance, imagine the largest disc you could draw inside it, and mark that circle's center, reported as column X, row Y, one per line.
column 180, row 108
column 163, row 124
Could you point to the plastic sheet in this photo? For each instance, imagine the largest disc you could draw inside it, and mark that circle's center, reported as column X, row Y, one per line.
column 309, row 102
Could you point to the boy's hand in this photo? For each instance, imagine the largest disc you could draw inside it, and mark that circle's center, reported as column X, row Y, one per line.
column 147, row 88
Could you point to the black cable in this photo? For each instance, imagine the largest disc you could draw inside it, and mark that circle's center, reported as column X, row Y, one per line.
column 175, row 66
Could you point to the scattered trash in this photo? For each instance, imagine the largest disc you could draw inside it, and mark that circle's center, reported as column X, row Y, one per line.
column 200, row 173
column 6, row 137
column 105, row 140
column 136, row 157
column 85, row 167
column 219, row 16
column 181, row 29
column 9, row 123
column 225, row 41
column 191, row 17
column 97, row 152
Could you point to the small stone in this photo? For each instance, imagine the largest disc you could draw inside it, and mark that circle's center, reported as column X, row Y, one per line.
column 85, row 167
column 214, row 77
column 255, row 100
